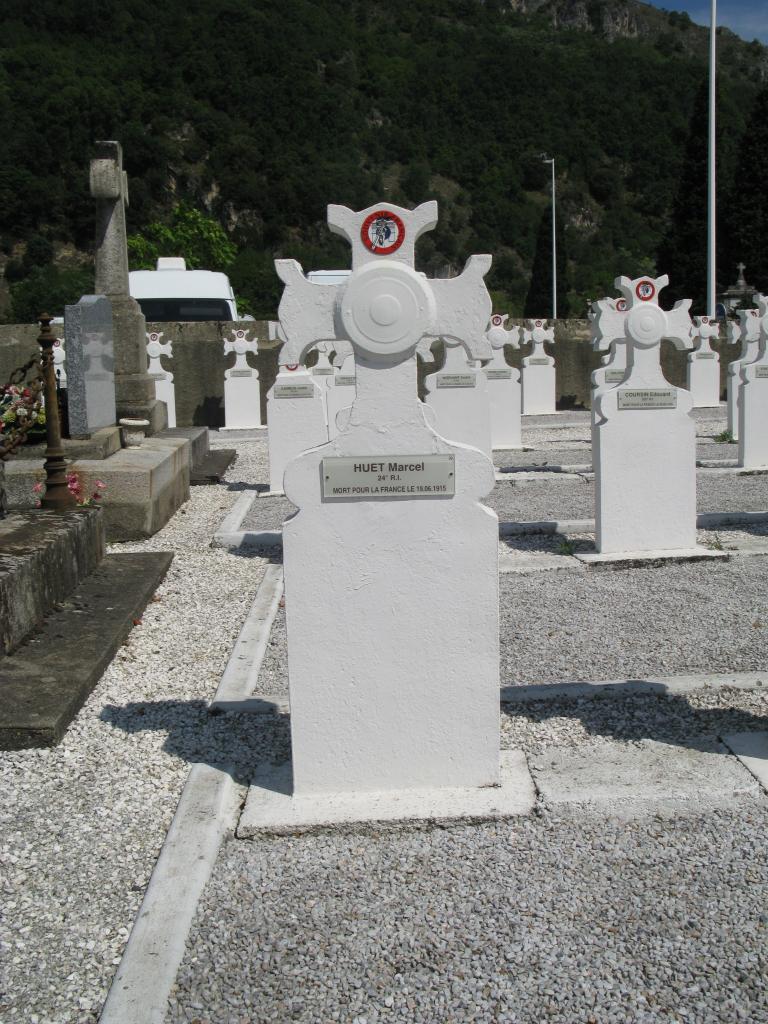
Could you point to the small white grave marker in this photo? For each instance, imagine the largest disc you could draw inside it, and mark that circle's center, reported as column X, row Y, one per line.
column 164, row 390
column 643, row 436
column 753, row 407
column 296, row 418
column 371, row 574
column 59, row 362
column 504, row 391
column 746, row 331
column 242, row 393
column 704, row 365
column 538, row 374
column 458, row 396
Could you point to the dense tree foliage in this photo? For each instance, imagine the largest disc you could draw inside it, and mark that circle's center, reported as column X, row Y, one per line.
column 258, row 113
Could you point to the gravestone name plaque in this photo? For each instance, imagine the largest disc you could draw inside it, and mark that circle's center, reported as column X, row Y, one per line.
column 615, row 376
column 301, row 389
column 761, row 372
column 647, row 398
column 345, row 381
column 456, row 380
column 389, row 476
column 498, row 374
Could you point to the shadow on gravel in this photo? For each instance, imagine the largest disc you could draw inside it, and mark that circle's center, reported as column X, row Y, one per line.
column 236, row 741
column 640, row 709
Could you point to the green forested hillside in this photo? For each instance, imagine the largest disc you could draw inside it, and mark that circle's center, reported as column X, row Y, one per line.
column 260, row 112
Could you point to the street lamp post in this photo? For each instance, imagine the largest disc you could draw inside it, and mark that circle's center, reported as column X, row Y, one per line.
column 551, row 160
column 711, row 170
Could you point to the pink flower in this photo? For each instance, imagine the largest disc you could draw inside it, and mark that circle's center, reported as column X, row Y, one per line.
column 100, row 484
column 38, row 488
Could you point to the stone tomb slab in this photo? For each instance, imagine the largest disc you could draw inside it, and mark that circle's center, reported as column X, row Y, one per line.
column 271, row 809
column 619, row 776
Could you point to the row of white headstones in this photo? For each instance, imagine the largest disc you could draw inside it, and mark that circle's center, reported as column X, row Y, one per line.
column 391, row 561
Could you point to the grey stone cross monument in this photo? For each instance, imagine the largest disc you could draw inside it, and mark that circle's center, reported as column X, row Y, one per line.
column 134, row 388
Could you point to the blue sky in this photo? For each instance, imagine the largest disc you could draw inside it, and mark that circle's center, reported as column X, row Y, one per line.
column 747, row 18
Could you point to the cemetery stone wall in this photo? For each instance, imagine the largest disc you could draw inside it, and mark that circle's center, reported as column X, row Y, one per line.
column 198, row 363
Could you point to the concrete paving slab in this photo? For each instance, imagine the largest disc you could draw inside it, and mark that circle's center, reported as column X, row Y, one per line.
column 751, row 748
column 620, row 776
column 618, row 688
column 632, row 559
column 534, row 561
column 272, row 810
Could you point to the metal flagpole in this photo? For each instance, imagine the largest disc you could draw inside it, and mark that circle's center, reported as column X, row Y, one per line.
column 712, row 170
column 551, row 160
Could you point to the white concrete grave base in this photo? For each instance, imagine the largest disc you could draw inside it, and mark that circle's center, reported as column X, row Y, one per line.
column 271, row 809
column 538, row 371
column 753, row 404
column 458, row 396
column 504, row 396
column 615, row 559
column 295, row 420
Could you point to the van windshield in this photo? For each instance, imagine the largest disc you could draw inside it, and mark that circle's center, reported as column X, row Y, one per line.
column 174, row 310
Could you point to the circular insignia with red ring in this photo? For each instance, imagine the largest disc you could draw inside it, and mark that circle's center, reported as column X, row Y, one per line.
column 291, row 366
column 382, row 232
column 705, row 319
column 537, row 323
column 645, row 291
column 496, row 320
column 621, row 305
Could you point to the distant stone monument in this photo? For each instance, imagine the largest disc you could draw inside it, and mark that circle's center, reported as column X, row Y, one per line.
column 747, row 332
column 753, row 407
column 391, row 562
column 134, row 388
column 504, row 390
column 90, row 365
column 643, row 436
column 538, row 373
column 704, row 365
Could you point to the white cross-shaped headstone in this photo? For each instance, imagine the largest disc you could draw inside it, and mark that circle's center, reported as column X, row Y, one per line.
column 704, row 365
column 643, row 436
column 538, row 374
column 391, row 544
column 753, row 405
column 163, row 378
column 504, row 391
column 242, row 393
column 744, row 331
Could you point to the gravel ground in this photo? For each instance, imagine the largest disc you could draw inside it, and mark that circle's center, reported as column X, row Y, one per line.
column 81, row 825
column 655, row 921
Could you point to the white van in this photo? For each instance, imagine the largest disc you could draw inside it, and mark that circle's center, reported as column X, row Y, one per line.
column 172, row 293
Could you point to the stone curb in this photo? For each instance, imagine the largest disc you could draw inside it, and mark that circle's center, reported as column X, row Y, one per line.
column 208, row 808
column 668, row 686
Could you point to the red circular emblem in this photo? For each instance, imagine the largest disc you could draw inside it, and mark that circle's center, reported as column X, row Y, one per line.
column 705, row 319
column 496, row 320
column 645, row 291
column 538, row 323
column 621, row 305
column 291, row 366
column 382, row 232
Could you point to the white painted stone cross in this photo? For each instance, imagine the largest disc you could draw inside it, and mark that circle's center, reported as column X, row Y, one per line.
column 296, row 417
column 746, row 331
column 704, row 365
column 753, row 407
column 164, row 389
column 613, row 368
column 504, row 391
column 643, row 436
column 242, row 393
column 538, row 372
column 391, row 562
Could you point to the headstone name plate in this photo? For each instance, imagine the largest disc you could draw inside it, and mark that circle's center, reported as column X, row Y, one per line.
column 615, row 376
column 499, row 374
column 157, row 376
column 345, row 381
column 538, row 361
column 456, row 380
column 651, row 398
column 90, row 365
column 241, row 373
column 761, row 372
column 301, row 389
column 389, row 476
column 322, row 371
column 706, row 355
